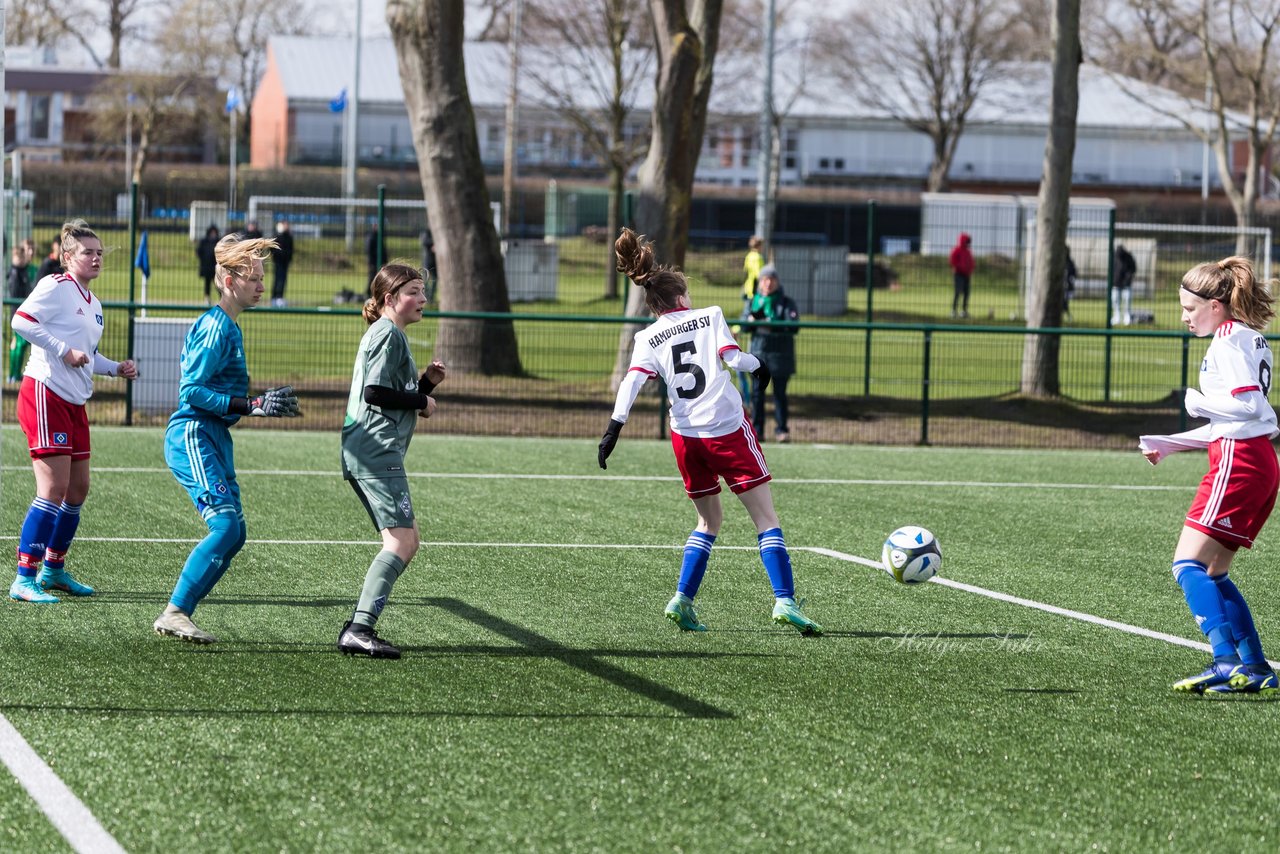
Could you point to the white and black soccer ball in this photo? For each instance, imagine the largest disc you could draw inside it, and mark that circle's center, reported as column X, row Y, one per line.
column 911, row 554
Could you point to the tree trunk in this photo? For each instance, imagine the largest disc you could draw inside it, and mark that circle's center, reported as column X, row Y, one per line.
column 429, row 42
column 1044, row 296
column 617, row 189
column 686, row 57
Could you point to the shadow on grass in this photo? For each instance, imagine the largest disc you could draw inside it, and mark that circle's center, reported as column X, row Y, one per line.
column 528, row 644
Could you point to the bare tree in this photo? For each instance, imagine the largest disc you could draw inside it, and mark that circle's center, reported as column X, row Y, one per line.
column 1234, row 44
column 155, row 108
column 1044, row 297
column 35, row 22
column 924, row 63
column 589, row 72
column 428, row 36
column 50, row 22
column 171, row 99
column 686, row 35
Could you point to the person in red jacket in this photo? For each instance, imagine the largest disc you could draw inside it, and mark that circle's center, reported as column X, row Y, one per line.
column 962, row 267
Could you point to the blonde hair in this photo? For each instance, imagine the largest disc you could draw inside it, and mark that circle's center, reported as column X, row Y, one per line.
column 235, row 256
column 389, row 280
column 72, row 238
column 663, row 286
column 1233, row 283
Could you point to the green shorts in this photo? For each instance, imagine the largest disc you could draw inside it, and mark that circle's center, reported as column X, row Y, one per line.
column 386, row 500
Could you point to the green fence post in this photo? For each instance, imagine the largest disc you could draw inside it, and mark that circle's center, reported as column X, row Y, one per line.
column 924, row 388
column 870, row 281
column 664, row 408
column 1186, row 368
column 382, row 223
column 133, row 276
column 1111, row 260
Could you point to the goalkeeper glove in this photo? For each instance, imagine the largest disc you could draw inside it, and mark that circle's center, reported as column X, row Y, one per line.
column 762, row 376
column 275, row 403
column 608, row 441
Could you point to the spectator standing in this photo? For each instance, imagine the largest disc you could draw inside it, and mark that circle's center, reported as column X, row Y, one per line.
column 281, row 258
column 208, row 264
column 775, row 347
column 962, row 272
column 428, row 263
column 18, row 286
column 1122, row 292
column 52, row 264
column 375, row 251
column 751, row 265
column 1068, row 284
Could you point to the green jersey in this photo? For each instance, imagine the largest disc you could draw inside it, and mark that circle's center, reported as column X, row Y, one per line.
column 374, row 440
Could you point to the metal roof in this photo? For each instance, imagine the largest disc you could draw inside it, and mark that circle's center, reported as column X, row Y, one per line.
column 318, row 68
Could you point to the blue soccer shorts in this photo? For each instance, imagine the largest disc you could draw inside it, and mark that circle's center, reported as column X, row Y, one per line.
column 201, row 456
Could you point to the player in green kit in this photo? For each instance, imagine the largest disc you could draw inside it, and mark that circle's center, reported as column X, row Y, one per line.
column 387, row 396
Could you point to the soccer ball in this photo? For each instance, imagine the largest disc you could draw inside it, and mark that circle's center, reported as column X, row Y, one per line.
column 911, row 554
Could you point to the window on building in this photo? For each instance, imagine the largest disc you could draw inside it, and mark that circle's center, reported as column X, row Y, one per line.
column 748, row 143
column 38, row 126
column 790, row 148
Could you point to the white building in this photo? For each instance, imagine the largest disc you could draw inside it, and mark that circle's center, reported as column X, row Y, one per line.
column 828, row 136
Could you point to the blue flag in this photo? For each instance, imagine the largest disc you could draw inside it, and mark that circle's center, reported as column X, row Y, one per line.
column 233, row 98
column 339, row 103
column 143, row 261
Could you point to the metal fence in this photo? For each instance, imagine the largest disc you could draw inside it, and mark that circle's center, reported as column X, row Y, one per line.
column 856, row 382
column 880, row 357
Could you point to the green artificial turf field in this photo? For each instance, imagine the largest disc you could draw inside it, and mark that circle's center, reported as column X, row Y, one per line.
column 543, row 703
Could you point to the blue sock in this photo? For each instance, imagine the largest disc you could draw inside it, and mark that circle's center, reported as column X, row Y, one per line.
column 37, row 529
column 1207, row 607
column 207, row 561
column 777, row 562
column 234, row 550
column 64, row 530
column 1248, row 643
column 697, row 551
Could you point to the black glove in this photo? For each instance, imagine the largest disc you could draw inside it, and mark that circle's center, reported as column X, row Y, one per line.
column 275, row 403
column 608, row 441
column 762, row 376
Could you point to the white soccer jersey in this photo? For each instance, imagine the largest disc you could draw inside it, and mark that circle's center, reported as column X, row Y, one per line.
column 58, row 316
column 685, row 348
column 1238, row 361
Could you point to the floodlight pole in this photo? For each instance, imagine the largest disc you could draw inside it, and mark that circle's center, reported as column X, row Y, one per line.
column 352, row 113
column 513, row 108
column 764, row 171
column 1204, row 151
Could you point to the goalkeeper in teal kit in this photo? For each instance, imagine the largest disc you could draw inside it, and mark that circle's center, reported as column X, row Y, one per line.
column 212, row 396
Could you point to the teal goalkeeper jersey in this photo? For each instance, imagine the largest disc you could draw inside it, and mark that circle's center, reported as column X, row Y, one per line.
column 374, row 440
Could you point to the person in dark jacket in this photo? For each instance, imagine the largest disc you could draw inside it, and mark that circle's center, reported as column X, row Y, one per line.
column 375, row 250
column 775, row 347
column 51, row 265
column 204, row 251
column 281, row 258
column 1126, row 267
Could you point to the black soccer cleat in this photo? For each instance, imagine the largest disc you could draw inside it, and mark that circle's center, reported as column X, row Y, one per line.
column 355, row 639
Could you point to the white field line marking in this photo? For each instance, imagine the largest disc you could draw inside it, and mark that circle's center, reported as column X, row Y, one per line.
column 64, row 810
column 831, row 553
column 820, row 481
column 1039, row 606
